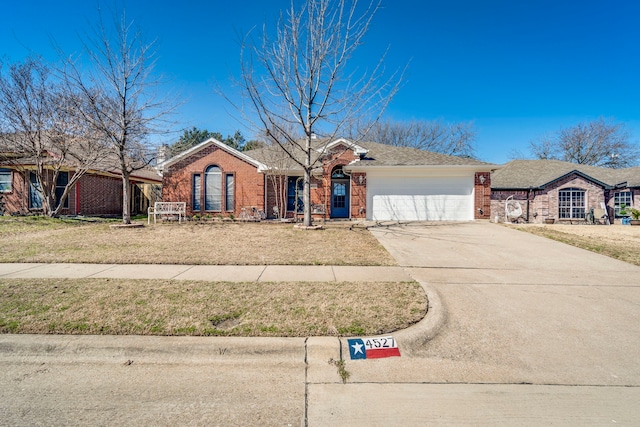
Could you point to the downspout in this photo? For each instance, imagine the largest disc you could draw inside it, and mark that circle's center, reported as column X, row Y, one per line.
column 528, row 201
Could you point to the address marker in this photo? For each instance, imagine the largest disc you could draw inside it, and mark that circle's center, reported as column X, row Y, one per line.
column 372, row 348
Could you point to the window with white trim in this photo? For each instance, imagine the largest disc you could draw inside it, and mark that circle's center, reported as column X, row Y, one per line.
column 197, row 178
column 5, row 180
column 295, row 187
column 621, row 198
column 213, row 189
column 229, row 191
column 571, row 203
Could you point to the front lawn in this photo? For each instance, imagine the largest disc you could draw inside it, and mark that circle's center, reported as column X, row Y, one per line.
column 29, row 239
column 169, row 307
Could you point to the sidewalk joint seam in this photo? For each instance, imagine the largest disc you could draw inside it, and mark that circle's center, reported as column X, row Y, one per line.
column 20, row 271
column 182, row 272
column 107, row 267
column 264, row 268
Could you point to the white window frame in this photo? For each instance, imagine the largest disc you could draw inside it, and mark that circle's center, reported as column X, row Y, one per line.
column 8, row 181
column 617, row 202
column 572, row 205
column 229, row 191
column 213, row 189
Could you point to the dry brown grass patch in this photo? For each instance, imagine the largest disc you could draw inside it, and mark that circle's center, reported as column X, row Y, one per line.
column 165, row 307
column 616, row 241
column 28, row 240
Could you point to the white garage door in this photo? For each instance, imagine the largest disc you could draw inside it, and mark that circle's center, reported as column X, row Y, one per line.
column 432, row 198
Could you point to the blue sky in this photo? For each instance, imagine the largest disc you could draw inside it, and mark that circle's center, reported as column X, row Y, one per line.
column 517, row 69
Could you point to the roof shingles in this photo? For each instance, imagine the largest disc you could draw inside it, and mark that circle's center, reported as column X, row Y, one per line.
column 520, row 174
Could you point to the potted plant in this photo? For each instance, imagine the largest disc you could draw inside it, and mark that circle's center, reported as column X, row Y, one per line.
column 635, row 216
column 549, row 220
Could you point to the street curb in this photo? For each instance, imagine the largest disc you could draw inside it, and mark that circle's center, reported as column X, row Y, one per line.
column 429, row 327
column 418, row 334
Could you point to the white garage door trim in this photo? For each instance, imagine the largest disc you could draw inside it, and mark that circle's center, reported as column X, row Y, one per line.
column 427, row 196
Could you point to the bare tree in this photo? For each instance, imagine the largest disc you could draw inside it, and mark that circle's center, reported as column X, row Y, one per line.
column 598, row 143
column 41, row 132
column 118, row 97
column 454, row 139
column 300, row 84
column 544, row 148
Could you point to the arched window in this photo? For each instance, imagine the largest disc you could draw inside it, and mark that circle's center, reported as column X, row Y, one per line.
column 213, row 189
column 571, row 203
column 338, row 173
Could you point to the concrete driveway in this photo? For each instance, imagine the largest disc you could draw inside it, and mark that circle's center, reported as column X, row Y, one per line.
column 537, row 332
column 522, row 308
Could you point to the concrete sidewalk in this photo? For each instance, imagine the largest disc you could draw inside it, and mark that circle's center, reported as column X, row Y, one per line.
column 223, row 273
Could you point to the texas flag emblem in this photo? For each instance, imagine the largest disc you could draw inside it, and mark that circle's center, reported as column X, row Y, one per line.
column 372, row 348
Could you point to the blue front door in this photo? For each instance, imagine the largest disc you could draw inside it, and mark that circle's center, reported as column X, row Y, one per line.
column 340, row 198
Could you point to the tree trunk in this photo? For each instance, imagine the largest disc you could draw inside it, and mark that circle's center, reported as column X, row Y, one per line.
column 126, row 209
column 306, row 198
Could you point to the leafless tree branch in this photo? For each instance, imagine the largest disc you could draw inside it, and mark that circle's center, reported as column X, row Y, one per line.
column 118, row 95
column 599, row 142
column 300, row 82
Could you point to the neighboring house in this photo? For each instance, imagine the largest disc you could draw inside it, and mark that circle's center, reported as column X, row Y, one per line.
column 364, row 180
column 563, row 191
column 97, row 193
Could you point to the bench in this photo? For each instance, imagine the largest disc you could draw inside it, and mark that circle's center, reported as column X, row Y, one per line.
column 167, row 208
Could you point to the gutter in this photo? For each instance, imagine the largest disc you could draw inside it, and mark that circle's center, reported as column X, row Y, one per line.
column 354, row 167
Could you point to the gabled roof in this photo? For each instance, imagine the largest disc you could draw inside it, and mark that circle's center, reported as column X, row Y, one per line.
column 524, row 174
column 389, row 155
column 205, row 144
column 357, row 149
column 371, row 154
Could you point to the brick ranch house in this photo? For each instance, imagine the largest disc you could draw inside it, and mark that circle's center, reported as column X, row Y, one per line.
column 354, row 181
column 563, row 191
column 97, row 193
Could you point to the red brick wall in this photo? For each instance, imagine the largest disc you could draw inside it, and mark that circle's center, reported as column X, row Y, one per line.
column 543, row 204
column 99, row 195
column 482, row 197
column 177, row 181
column 358, row 195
